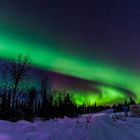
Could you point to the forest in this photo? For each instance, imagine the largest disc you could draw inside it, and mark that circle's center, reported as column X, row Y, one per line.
column 19, row 100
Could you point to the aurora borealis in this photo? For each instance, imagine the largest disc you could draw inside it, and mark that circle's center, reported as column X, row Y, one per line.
column 104, row 76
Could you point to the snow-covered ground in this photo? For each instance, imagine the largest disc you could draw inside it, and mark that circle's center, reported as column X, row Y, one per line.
column 101, row 127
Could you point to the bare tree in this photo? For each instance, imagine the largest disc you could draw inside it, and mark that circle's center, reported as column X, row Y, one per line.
column 17, row 72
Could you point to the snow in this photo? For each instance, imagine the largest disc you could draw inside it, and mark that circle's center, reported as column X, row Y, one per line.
column 100, row 127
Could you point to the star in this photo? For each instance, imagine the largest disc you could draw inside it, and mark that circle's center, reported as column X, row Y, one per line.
column 118, row 5
column 134, row 35
column 89, row 22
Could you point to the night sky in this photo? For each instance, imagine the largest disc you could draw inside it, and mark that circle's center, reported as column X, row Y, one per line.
column 88, row 47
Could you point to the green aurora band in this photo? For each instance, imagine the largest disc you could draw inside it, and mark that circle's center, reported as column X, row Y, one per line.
column 44, row 57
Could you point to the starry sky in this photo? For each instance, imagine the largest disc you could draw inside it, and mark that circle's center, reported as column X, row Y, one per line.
column 88, row 47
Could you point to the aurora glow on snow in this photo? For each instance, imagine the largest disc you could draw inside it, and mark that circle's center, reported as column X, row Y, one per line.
column 109, row 82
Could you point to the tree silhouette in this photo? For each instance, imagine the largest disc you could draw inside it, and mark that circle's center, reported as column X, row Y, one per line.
column 40, row 102
column 16, row 74
column 132, row 102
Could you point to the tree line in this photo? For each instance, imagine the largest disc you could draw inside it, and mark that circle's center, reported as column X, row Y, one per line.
column 19, row 100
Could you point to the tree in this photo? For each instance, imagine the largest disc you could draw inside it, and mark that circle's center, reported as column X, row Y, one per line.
column 17, row 71
column 30, row 102
column 125, row 103
column 46, row 103
column 132, row 102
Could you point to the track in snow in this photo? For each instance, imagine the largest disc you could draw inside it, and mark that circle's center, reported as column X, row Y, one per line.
column 101, row 127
